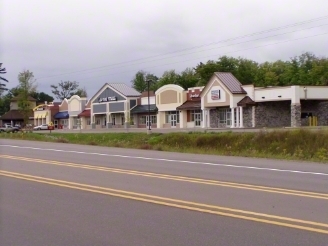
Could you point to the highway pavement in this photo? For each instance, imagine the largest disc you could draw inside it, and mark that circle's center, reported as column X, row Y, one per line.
column 65, row 194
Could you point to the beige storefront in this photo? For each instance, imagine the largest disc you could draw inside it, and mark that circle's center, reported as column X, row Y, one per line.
column 219, row 101
column 168, row 98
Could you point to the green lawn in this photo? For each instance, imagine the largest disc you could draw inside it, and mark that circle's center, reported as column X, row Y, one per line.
column 297, row 144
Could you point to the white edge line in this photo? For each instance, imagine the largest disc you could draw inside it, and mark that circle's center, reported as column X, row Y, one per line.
column 169, row 160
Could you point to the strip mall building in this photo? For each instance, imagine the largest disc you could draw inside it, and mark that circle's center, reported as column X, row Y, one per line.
column 223, row 103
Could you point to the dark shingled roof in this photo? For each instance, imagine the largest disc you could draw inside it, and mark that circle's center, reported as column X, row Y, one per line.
column 230, row 81
column 190, row 105
column 15, row 115
column 143, row 109
column 246, row 101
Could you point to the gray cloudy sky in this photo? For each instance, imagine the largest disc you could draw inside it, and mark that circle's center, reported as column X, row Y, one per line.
column 99, row 41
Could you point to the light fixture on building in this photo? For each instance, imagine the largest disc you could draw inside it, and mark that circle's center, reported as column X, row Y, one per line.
column 279, row 96
column 263, row 97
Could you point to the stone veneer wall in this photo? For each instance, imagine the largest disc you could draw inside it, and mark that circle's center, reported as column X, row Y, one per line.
column 273, row 114
column 295, row 110
column 247, row 113
column 214, row 118
column 318, row 108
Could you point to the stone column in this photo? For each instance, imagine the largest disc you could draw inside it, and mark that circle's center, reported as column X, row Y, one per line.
column 241, row 117
column 232, row 117
column 295, row 111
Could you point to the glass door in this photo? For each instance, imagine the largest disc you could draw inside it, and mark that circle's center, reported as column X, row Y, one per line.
column 198, row 118
column 173, row 120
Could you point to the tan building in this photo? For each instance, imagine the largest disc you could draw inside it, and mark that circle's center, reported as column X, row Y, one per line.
column 191, row 109
column 44, row 113
column 14, row 115
column 219, row 101
column 75, row 106
column 168, row 98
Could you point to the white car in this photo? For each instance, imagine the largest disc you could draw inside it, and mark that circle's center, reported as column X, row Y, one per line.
column 41, row 127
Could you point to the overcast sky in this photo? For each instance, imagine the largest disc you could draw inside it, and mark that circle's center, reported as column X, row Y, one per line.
column 99, row 41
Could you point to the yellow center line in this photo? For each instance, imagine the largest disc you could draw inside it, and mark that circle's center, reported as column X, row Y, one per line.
column 177, row 178
column 287, row 222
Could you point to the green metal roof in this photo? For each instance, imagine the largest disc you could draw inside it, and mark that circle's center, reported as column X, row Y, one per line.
column 144, row 109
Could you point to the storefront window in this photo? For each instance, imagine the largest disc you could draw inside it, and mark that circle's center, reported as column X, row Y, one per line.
column 97, row 121
column 142, row 119
column 88, row 122
column 169, row 115
column 153, row 119
column 196, row 112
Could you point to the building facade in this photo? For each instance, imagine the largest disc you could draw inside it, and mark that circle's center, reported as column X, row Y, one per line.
column 111, row 105
column 143, row 116
column 168, row 98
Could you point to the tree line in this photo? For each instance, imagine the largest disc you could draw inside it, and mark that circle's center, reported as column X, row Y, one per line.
column 305, row 69
column 27, row 87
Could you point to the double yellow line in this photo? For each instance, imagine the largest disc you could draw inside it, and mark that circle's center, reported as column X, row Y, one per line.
column 176, row 178
column 181, row 204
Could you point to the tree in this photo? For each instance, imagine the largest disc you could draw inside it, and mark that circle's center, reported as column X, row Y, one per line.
column 187, row 78
column 169, row 77
column 42, row 97
column 65, row 89
column 81, row 92
column 2, row 86
column 27, row 86
column 139, row 81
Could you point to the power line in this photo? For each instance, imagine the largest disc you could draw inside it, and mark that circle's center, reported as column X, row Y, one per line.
column 256, row 47
column 195, row 47
column 248, row 41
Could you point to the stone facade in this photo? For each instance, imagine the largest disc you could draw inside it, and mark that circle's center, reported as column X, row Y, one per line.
column 323, row 113
column 317, row 108
column 214, row 118
column 295, row 110
column 273, row 114
column 247, row 117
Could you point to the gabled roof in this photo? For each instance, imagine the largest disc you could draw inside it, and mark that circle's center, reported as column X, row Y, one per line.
column 144, row 109
column 17, row 98
column 125, row 90
column 190, row 105
column 230, row 81
column 246, row 101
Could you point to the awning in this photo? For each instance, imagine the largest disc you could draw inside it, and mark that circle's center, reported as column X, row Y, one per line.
column 190, row 105
column 144, row 109
column 85, row 113
column 61, row 115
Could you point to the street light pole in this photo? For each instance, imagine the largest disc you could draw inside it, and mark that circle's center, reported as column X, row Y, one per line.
column 149, row 121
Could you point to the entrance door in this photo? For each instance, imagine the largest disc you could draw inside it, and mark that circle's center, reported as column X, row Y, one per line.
column 173, row 120
column 56, row 124
column 148, row 122
column 198, row 119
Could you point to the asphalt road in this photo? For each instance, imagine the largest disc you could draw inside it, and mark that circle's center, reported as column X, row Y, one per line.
column 63, row 194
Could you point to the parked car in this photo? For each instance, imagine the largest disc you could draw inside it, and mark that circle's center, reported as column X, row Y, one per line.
column 8, row 128
column 41, row 127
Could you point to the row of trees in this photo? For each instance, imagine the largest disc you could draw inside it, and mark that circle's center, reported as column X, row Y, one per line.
column 306, row 69
column 27, row 87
